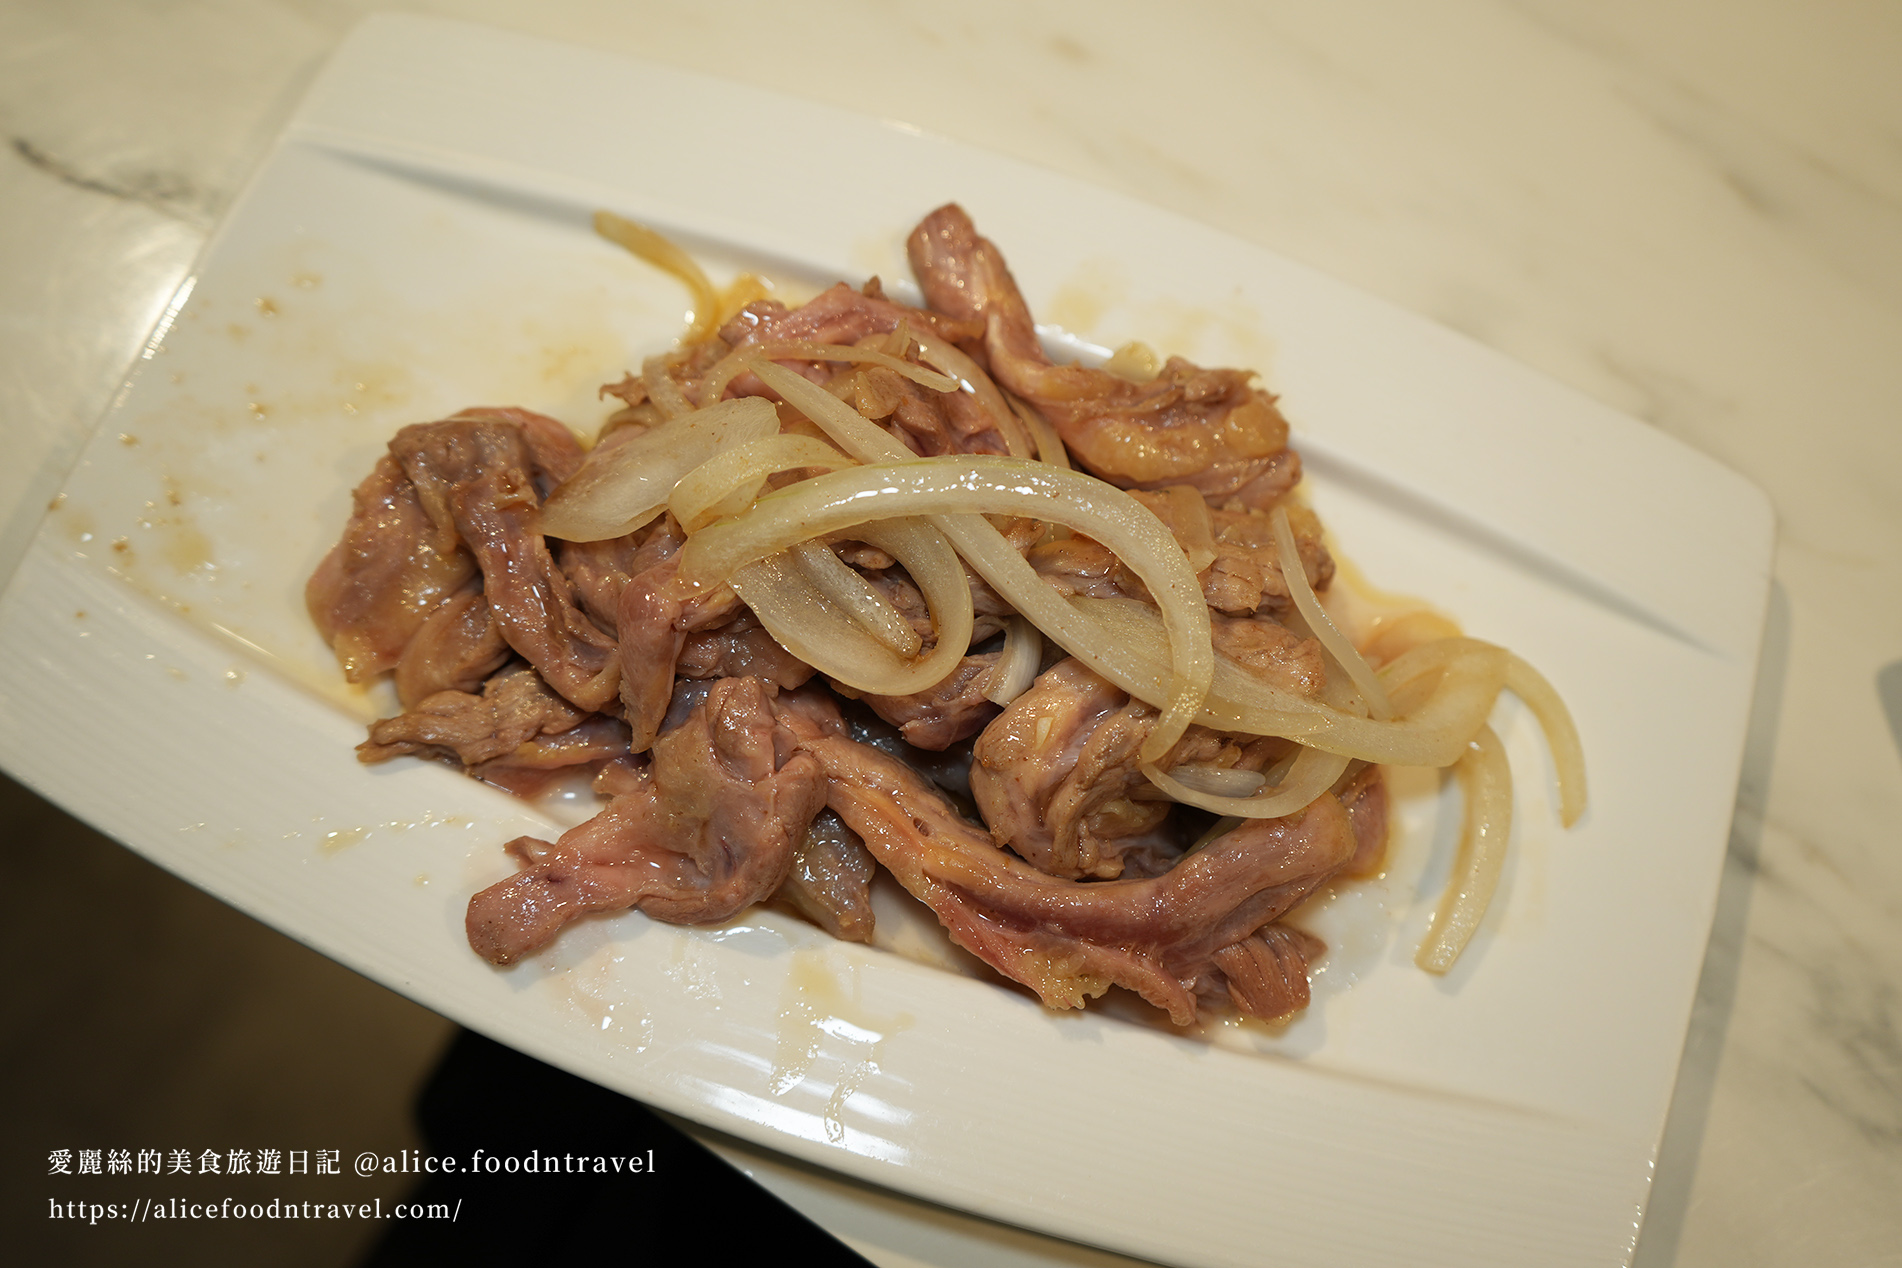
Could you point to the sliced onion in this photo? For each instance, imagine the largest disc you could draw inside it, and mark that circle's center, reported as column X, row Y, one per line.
column 810, row 626
column 740, row 360
column 1218, row 781
column 855, row 596
column 727, row 483
column 1108, row 515
column 1435, row 733
column 1016, row 668
column 1561, row 736
column 1312, row 774
column 1336, row 643
column 1049, row 445
column 1486, row 782
column 661, row 253
column 661, row 388
column 953, row 362
column 1194, row 528
column 622, row 488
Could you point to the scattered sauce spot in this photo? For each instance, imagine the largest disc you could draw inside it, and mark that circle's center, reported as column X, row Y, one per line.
column 59, row 499
column 343, row 837
column 267, row 305
column 128, row 439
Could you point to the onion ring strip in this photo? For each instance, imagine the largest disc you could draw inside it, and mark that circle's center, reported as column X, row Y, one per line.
column 1434, row 734
column 1486, row 782
column 1162, row 567
column 712, row 490
column 1295, row 576
column 869, row 609
column 806, row 623
column 1312, row 774
column 661, row 253
column 1016, row 668
column 619, row 489
column 1561, row 736
column 948, row 358
column 737, row 362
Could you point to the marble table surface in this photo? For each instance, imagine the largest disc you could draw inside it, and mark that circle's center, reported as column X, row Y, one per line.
column 1689, row 210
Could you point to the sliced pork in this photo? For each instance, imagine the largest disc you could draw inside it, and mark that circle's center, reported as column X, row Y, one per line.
column 393, row 566
column 1069, row 941
column 1210, row 429
column 476, row 475
column 515, row 707
column 705, row 828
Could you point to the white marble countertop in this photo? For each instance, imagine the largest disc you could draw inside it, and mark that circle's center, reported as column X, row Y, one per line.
column 1691, row 211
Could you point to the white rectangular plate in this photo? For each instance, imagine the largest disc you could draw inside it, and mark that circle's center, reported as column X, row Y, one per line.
column 418, row 242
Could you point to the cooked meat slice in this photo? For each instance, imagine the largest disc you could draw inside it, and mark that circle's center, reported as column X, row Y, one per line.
column 1052, row 775
column 515, row 707
column 1067, row 940
column 1056, row 774
column 1080, row 565
column 830, row 882
column 707, row 827
column 1365, row 795
column 1266, row 973
column 1189, row 425
column 838, row 315
column 595, row 739
column 926, row 422
column 392, row 567
column 553, row 449
column 741, row 648
column 1271, row 652
column 938, row 717
column 474, row 474
column 658, row 610
column 1246, row 575
column 457, row 647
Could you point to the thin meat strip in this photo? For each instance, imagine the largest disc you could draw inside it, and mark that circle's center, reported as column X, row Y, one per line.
column 707, row 827
column 1069, row 941
column 1210, row 429
column 475, row 473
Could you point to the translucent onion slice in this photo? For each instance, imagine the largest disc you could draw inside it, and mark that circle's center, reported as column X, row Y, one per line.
column 727, row 483
column 855, row 596
column 1561, row 736
column 1049, row 445
column 1016, row 669
column 661, row 253
column 740, row 360
column 1219, row 781
column 1185, row 621
column 810, row 626
column 628, row 485
column 1470, row 676
column 1486, row 782
column 661, row 388
column 1336, row 643
column 1195, row 528
column 1312, row 774
column 948, row 358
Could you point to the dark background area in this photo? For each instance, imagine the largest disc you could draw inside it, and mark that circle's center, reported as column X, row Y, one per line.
column 143, row 1014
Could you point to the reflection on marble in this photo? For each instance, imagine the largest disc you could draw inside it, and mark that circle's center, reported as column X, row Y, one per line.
column 1692, row 211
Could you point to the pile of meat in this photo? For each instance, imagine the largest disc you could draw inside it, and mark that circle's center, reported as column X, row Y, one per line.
column 735, row 777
